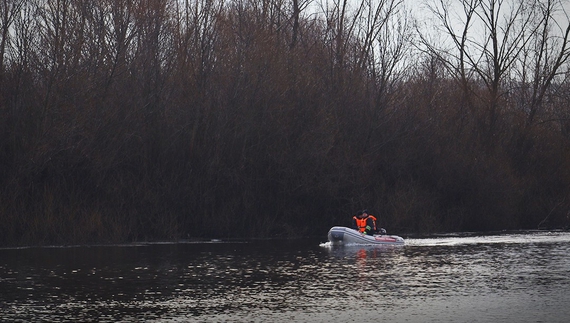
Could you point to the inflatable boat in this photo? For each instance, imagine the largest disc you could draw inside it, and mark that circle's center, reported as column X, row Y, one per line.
column 344, row 235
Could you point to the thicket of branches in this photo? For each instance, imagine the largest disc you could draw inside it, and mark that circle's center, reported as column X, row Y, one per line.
column 127, row 120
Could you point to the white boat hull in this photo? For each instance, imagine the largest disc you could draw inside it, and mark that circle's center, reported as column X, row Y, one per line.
column 344, row 235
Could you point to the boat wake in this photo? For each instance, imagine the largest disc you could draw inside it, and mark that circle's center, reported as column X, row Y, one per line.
column 510, row 238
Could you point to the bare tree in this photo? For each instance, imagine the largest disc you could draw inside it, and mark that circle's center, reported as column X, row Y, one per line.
column 392, row 41
column 454, row 59
column 341, row 23
column 543, row 60
column 115, row 30
column 297, row 8
column 375, row 27
column 489, row 37
column 9, row 9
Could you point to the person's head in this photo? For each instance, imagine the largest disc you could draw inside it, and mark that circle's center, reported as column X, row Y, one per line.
column 359, row 214
column 364, row 212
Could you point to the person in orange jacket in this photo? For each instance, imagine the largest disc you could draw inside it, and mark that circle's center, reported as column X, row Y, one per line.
column 365, row 223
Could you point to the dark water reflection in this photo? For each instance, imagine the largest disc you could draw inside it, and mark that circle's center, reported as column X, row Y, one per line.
column 506, row 278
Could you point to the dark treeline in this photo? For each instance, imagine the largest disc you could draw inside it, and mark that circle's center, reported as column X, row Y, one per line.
column 124, row 120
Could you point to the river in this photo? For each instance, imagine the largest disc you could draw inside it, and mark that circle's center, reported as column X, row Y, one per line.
column 510, row 277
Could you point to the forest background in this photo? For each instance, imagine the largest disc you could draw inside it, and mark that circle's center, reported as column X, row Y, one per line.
column 135, row 120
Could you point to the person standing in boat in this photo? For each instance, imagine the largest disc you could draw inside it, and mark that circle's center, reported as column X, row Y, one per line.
column 365, row 223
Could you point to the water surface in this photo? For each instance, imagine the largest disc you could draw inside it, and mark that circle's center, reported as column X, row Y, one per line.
column 523, row 277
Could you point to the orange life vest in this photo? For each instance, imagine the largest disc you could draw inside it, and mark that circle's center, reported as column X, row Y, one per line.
column 361, row 223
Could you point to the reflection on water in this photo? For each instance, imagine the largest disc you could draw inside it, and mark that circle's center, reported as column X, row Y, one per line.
column 504, row 278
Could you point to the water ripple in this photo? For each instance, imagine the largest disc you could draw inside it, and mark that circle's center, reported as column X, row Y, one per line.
column 510, row 277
